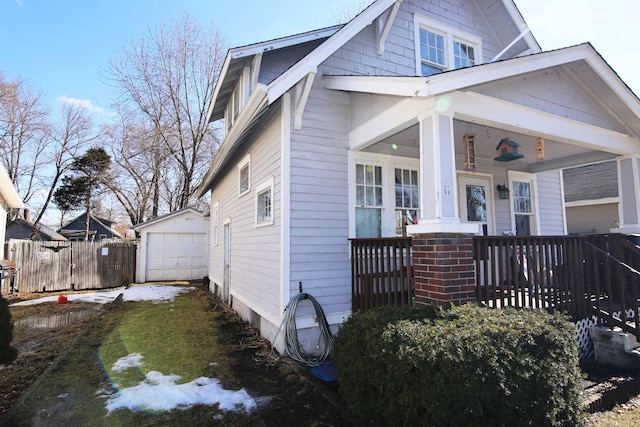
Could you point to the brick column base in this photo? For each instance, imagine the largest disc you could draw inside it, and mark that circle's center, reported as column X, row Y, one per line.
column 444, row 271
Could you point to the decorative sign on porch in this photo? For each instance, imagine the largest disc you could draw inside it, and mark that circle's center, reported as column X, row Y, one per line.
column 507, row 150
column 470, row 149
column 539, row 148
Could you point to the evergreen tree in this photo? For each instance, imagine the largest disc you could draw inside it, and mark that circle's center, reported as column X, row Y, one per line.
column 79, row 190
column 7, row 353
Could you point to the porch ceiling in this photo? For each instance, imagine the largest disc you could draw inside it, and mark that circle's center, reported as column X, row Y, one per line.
column 557, row 154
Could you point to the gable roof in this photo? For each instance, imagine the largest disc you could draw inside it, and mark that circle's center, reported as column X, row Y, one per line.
column 168, row 216
column 22, row 228
column 104, row 223
column 265, row 95
column 583, row 61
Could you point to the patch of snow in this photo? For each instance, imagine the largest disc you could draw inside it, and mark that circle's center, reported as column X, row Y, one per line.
column 131, row 361
column 154, row 293
column 159, row 392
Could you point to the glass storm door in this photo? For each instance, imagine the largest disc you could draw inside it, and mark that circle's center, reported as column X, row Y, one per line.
column 476, row 202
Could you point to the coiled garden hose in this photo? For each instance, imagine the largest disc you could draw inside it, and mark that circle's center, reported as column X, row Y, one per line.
column 292, row 344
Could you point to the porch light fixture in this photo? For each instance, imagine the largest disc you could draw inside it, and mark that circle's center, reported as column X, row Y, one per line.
column 503, row 191
column 508, row 150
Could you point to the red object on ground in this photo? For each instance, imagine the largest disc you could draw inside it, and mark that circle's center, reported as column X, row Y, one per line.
column 62, row 299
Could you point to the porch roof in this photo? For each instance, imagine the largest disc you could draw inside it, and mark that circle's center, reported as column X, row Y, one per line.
column 583, row 61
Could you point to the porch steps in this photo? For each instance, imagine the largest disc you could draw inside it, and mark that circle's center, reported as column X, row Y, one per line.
column 615, row 347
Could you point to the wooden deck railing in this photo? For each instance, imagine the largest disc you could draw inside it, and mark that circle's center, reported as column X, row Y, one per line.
column 381, row 272
column 583, row 276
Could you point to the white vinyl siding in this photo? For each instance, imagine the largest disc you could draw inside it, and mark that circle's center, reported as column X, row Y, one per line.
column 552, row 217
column 319, row 202
column 254, row 275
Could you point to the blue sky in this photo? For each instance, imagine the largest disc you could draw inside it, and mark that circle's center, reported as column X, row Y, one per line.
column 60, row 47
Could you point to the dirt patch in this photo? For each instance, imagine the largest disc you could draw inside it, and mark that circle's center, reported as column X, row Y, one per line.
column 288, row 394
column 38, row 344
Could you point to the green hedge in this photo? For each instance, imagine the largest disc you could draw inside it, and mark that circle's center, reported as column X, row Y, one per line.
column 464, row 366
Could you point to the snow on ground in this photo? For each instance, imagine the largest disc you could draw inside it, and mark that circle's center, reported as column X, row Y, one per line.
column 158, row 392
column 134, row 293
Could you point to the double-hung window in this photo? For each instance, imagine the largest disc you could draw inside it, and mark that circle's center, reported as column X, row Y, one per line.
column 406, row 188
column 524, row 209
column 440, row 47
column 264, row 203
column 368, row 201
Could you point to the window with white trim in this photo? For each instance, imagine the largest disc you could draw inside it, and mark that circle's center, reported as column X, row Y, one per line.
column 440, row 47
column 368, row 201
column 522, row 195
column 215, row 226
column 406, row 189
column 264, row 203
column 244, row 176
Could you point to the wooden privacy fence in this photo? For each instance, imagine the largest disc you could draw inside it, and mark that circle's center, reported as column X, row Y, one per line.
column 62, row 266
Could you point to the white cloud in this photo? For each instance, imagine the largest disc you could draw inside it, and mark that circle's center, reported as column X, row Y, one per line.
column 83, row 103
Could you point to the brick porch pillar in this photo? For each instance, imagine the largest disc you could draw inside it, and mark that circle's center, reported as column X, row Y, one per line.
column 444, row 272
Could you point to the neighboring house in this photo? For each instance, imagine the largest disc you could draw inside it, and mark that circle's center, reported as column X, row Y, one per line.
column 9, row 199
column 591, row 198
column 25, row 229
column 389, row 125
column 173, row 247
column 99, row 229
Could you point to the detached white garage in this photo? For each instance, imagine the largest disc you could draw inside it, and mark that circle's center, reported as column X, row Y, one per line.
column 173, row 247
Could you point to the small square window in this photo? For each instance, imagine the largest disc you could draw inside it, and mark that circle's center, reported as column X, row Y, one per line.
column 264, row 203
column 244, row 176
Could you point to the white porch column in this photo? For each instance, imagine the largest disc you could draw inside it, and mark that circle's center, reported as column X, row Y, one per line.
column 438, row 186
column 629, row 195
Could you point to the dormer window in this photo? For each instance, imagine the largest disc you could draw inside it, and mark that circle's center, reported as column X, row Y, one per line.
column 440, row 47
column 238, row 97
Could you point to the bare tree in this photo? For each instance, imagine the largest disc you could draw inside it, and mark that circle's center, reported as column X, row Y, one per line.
column 23, row 135
column 168, row 77
column 346, row 12
column 138, row 162
column 67, row 139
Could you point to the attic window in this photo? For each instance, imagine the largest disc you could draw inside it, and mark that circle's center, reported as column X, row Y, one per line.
column 238, row 97
column 440, row 47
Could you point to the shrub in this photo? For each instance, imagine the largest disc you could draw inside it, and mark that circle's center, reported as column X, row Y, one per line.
column 7, row 353
column 471, row 366
column 361, row 361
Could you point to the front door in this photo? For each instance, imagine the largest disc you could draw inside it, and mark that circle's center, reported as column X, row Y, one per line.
column 476, row 202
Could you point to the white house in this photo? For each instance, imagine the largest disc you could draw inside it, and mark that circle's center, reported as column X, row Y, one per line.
column 173, row 247
column 402, row 113
column 9, row 199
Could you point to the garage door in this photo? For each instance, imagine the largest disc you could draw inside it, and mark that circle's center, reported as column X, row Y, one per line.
column 176, row 256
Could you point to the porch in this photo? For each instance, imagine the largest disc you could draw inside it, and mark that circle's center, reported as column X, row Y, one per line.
column 584, row 276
